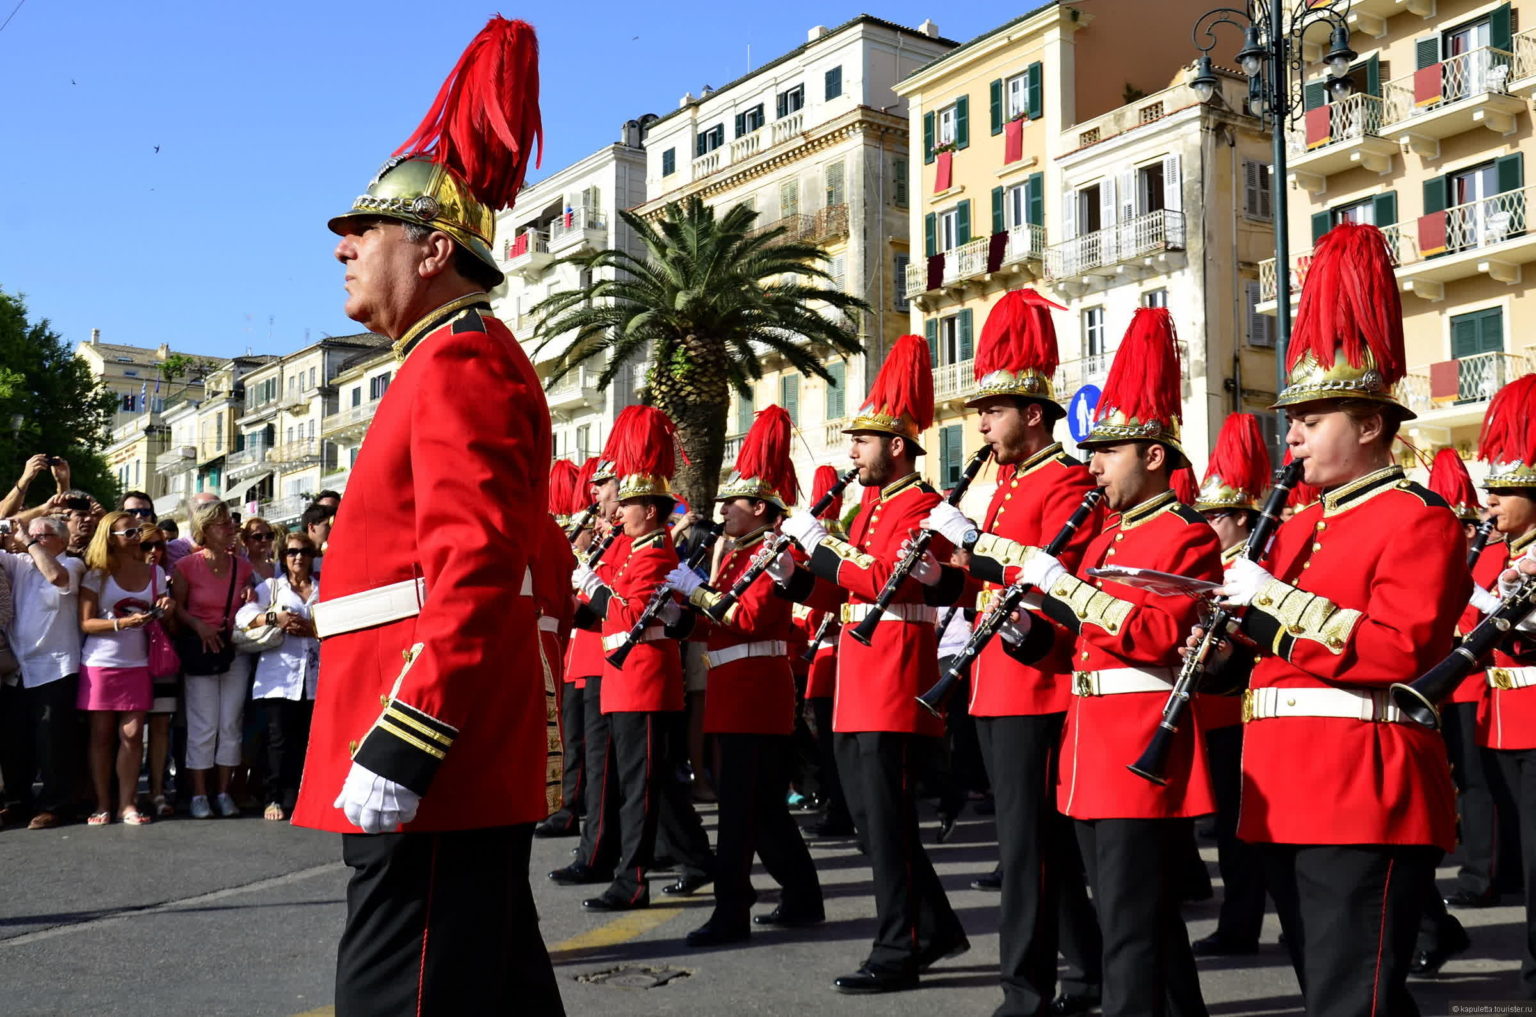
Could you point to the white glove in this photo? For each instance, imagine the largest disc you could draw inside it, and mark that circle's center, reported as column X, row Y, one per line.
column 926, row 570
column 1013, row 632
column 1510, row 578
column 1484, row 601
column 373, row 803
column 585, row 581
column 949, row 522
column 684, row 580
column 1243, row 581
column 1042, row 570
column 670, row 612
column 804, row 529
column 782, row 568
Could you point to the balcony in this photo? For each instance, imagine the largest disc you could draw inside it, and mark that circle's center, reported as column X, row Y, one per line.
column 283, row 510
column 1453, row 96
column 335, row 478
column 176, row 461
column 578, row 231
column 1370, row 16
column 1340, row 136
column 351, row 422
column 832, row 436
column 1146, row 237
column 732, row 448
column 954, row 381
column 170, row 505
column 1489, row 237
column 1398, row 241
column 971, row 260
column 1455, row 393
column 296, row 454
column 747, row 147
column 1025, row 243
column 707, row 163
column 250, row 461
column 256, row 413
column 1072, row 375
column 1523, row 79
column 527, row 254
column 966, row 261
column 827, row 224
column 575, row 391
column 789, row 128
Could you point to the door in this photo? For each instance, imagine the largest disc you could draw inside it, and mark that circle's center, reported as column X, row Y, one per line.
column 1467, row 60
column 1471, row 217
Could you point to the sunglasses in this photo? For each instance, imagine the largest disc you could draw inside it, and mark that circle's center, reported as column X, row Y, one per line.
column 142, row 513
column 125, row 533
column 260, row 536
column 152, row 545
column 306, row 552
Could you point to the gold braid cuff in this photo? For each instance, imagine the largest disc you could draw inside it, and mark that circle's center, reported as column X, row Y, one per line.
column 846, row 552
column 1003, row 551
column 1090, row 604
column 1306, row 616
column 705, row 600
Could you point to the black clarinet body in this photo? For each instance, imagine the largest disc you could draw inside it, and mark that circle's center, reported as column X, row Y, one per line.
column 701, row 553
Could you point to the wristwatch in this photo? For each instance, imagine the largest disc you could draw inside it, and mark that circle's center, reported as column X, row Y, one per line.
column 271, row 617
column 31, row 544
column 968, row 541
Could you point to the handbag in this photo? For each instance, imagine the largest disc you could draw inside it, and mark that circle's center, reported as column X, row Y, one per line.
column 263, row 637
column 197, row 659
column 164, row 661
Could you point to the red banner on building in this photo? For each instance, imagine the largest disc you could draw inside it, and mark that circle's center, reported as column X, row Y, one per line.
column 941, row 177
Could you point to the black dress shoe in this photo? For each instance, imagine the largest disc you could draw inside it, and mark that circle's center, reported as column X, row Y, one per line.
column 1427, row 963
column 613, row 902
column 946, row 827
column 1469, row 899
column 563, row 827
column 790, row 919
column 577, row 874
column 991, row 881
column 710, row 934
column 1217, row 945
column 1069, row 1003
column 867, row 982
column 942, row 950
column 685, row 886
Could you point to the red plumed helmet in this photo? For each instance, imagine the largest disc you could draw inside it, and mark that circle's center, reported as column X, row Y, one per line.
column 1142, row 398
column 1182, row 482
column 581, row 494
column 1448, row 477
column 1016, row 355
column 643, row 451
column 1508, row 441
column 823, row 481
column 901, row 400
column 1238, row 474
column 563, row 475
column 764, row 469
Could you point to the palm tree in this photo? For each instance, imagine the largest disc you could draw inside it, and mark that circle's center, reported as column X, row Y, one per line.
column 710, row 298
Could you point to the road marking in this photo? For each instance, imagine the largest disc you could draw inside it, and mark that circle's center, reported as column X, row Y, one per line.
column 170, row 905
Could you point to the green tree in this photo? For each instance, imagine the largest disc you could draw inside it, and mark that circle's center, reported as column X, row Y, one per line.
column 49, row 402
column 707, row 301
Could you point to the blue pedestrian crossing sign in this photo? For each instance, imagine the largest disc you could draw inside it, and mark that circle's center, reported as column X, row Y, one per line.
column 1080, row 411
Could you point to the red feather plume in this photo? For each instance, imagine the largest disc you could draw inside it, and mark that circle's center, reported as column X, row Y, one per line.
column 1182, row 480
column 1448, row 477
column 765, row 453
column 1144, row 381
column 822, row 482
column 1350, row 302
column 563, row 475
column 643, row 443
column 1509, row 428
column 485, row 120
column 904, row 387
column 1240, row 457
column 1018, row 335
column 581, row 494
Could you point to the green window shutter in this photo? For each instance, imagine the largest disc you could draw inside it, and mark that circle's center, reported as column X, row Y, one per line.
column 1510, row 170
column 930, row 231
column 962, row 122
column 995, row 99
column 1384, row 207
column 1313, row 95
column 967, row 345
column 789, row 395
column 931, row 332
column 963, row 223
column 949, row 456
column 741, row 124
column 1034, row 90
column 1500, row 31
column 1436, row 195
column 835, row 402
column 1492, row 322
column 1322, row 222
column 744, row 415
column 1478, row 332
column 834, row 82
column 927, row 137
column 1463, row 336
column 1034, row 199
column 1426, row 52
column 998, row 225
column 1373, row 75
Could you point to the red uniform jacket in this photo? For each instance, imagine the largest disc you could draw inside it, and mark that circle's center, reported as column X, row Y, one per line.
column 1030, row 509
column 451, row 490
column 753, row 695
column 821, row 680
column 1485, row 573
column 652, row 675
column 1221, row 711
column 585, row 659
column 878, row 685
column 1507, row 718
column 553, row 563
column 1382, row 567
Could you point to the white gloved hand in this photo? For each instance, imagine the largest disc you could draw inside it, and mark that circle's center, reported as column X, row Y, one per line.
column 669, row 613
column 926, row 569
column 373, row 803
column 684, row 580
column 585, row 581
column 1243, row 581
column 1511, row 577
column 949, row 522
column 1041, row 570
column 804, row 529
column 1484, row 601
column 782, row 568
column 1013, row 631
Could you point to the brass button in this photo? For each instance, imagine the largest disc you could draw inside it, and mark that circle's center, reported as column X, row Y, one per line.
column 1336, row 644
column 1085, row 654
column 1109, row 552
column 1295, row 630
column 1262, row 601
column 1290, row 702
column 1321, row 525
column 351, row 748
column 1013, row 484
column 1008, row 497
column 1306, row 564
column 1404, row 484
column 1316, row 546
column 1119, row 537
column 383, row 700
column 1110, row 627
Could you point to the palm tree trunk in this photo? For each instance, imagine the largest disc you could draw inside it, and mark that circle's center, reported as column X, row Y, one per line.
column 697, row 400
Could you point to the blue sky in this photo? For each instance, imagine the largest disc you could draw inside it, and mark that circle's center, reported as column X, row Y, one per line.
column 269, row 118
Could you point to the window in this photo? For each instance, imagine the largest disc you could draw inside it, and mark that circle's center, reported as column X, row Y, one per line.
column 1017, row 89
column 1154, row 298
column 1261, row 327
column 1149, row 189
column 218, row 438
column 950, row 338
column 949, row 226
column 744, row 411
column 948, row 117
column 1477, row 332
column 708, row 141
column 835, row 195
column 583, row 441
column 378, row 385
column 1258, row 196
column 290, row 434
column 1095, row 340
column 1015, row 206
column 357, row 395
column 899, row 183
column 127, row 373
column 837, row 269
column 834, row 80
column 669, row 162
column 312, row 375
column 749, row 121
column 789, row 395
column 789, row 198
column 900, row 287
column 951, row 458
column 791, row 101
column 311, row 428
column 836, row 403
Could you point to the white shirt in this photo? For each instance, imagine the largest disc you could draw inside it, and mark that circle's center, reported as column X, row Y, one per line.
column 130, row 647
column 955, row 635
column 45, row 634
column 289, row 671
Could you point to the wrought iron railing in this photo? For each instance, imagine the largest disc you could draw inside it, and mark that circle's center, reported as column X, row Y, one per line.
column 1475, row 72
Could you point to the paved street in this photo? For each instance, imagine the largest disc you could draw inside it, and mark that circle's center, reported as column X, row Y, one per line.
column 240, row 917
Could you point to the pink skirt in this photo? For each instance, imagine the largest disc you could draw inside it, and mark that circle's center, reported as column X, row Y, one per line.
column 114, row 688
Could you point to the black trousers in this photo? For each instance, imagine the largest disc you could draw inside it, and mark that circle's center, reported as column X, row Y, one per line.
column 912, row 912
column 1240, row 863
column 599, row 846
column 1038, row 857
column 751, row 778
column 287, row 724
column 1133, row 868
column 573, row 786
column 1478, row 815
column 1350, row 914
column 650, row 796
column 680, row 833
column 826, row 745
column 1518, row 769
column 442, row 924
column 39, row 734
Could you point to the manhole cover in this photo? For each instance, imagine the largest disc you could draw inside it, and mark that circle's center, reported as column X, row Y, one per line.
column 634, row 976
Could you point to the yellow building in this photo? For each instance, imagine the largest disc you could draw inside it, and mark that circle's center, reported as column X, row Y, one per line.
column 1431, row 148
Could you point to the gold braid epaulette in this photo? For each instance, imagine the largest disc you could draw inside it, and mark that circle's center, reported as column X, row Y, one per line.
column 1306, row 616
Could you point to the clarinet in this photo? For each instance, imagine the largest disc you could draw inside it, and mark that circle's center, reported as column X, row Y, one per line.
column 701, row 552
column 601, row 549
column 1153, row 763
column 1000, row 610
column 864, row 632
column 809, row 653
column 1479, row 541
column 582, row 523
column 716, row 611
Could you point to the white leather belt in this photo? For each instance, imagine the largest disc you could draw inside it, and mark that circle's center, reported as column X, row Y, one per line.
column 613, row 642
column 380, row 606
column 1511, row 677
column 741, row 651
column 896, row 612
column 549, row 624
column 1115, row 681
column 1347, row 704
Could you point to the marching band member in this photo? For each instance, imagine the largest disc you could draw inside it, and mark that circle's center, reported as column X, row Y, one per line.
column 552, row 587
column 821, row 679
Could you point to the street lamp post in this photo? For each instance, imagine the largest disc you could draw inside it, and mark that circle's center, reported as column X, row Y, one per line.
column 1272, row 59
